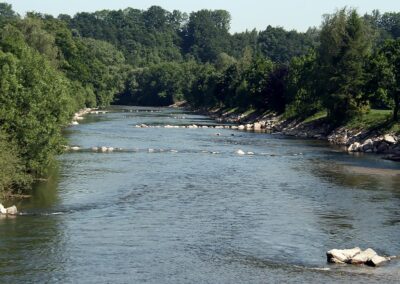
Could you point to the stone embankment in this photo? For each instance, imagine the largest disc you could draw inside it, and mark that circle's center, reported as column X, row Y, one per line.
column 80, row 115
column 353, row 141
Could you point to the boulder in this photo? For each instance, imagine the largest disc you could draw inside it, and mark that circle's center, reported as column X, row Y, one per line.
column 368, row 145
column 12, row 210
column 8, row 211
column 240, row 152
column 241, row 127
column 377, row 260
column 389, row 139
column 356, row 256
column 355, row 147
column 342, row 255
column 257, row 126
column 363, row 256
column 249, row 126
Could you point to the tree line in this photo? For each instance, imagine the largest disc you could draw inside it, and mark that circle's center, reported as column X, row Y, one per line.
column 52, row 66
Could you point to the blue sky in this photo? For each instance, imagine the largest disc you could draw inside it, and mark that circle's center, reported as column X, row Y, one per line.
column 246, row 14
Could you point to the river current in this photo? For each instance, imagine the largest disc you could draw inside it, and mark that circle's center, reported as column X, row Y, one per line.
column 181, row 205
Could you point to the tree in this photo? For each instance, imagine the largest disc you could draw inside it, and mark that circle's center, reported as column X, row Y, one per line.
column 207, row 34
column 386, row 73
column 342, row 56
column 7, row 14
column 281, row 46
column 302, row 89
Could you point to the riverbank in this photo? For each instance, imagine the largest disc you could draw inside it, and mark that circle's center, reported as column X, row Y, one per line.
column 379, row 140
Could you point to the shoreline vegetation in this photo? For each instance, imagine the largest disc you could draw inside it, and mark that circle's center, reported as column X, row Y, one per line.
column 343, row 76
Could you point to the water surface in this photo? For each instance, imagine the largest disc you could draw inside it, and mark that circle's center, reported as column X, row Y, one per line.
column 181, row 206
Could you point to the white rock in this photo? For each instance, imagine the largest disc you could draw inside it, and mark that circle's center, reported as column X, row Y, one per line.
column 377, row 260
column 240, row 152
column 389, row 139
column 342, row 255
column 95, row 149
column 12, row 210
column 257, row 126
column 355, row 147
column 103, row 149
column 363, row 256
column 249, row 126
column 250, row 153
column 75, row 148
column 74, row 123
column 110, row 149
column 219, row 127
column 241, row 127
column 368, row 144
column 2, row 209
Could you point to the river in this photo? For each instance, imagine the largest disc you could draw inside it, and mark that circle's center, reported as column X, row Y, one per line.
column 181, row 206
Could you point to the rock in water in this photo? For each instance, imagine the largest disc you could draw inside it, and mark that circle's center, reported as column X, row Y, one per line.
column 363, row 256
column 377, row 260
column 2, row 209
column 356, row 256
column 240, row 152
column 12, row 210
column 342, row 255
column 257, row 126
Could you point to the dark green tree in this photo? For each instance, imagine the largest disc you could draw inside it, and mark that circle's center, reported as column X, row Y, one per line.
column 386, row 74
column 342, row 56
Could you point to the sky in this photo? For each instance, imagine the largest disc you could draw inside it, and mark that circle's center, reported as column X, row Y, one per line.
column 246, row 14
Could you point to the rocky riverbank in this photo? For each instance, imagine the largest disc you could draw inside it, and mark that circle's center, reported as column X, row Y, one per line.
column 352, row 140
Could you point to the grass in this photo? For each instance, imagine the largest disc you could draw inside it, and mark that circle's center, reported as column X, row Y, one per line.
column 317, row 116
column 375, row 120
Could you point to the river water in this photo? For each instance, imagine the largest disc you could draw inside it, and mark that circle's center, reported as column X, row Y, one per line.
column 181, row 206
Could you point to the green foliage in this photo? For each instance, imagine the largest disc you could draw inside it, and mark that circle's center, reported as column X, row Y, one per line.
column 32, row 100
column 12, row 170
column 159, row 85
column 302, row 91
column 207, row 34
column 281, row 46
column 7, row 15
column 342, row 56
column 144, row 37
column 385, row 69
